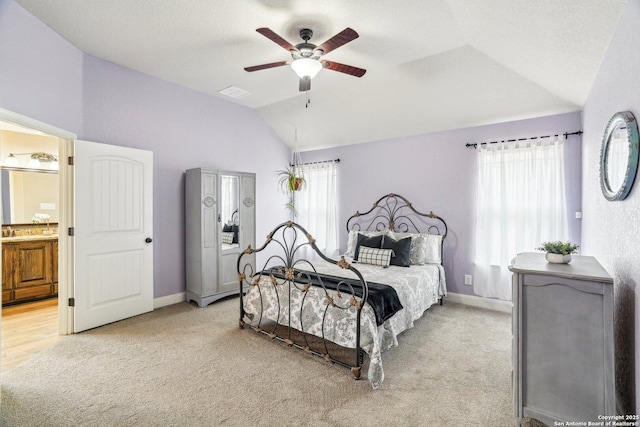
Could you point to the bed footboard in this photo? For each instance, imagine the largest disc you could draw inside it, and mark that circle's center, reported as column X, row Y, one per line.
column 290, row 302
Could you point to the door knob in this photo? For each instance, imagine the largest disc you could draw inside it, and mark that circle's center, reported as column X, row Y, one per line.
column 148, row 240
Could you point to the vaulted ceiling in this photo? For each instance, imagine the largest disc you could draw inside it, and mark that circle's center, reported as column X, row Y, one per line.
column 431, row 64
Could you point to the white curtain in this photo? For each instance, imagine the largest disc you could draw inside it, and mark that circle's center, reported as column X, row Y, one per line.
column 521, row 203
column 317, row 208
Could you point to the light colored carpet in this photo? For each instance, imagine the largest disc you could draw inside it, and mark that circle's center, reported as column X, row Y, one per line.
column 187, row 366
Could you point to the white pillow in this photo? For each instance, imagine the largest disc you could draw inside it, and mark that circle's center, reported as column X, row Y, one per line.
column 352, row 241
column 433, row 253
column 425, row 247
column 375, row 256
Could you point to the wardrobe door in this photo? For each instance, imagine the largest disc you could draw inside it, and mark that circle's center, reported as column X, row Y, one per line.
column 248, row 215
column 248, row 211
column 201, row 229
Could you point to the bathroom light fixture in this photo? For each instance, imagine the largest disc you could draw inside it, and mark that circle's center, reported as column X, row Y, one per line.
column 11, row 160
column 36, row 160
column 34, row 163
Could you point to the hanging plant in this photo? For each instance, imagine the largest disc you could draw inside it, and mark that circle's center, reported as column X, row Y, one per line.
column 291, row 178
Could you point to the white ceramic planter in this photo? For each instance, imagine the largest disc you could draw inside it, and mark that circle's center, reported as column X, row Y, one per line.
column 558, row 258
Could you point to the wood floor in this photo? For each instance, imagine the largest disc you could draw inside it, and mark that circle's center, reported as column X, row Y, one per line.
column 28, row 329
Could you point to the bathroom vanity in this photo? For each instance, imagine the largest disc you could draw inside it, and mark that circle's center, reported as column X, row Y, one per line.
column 29, row 268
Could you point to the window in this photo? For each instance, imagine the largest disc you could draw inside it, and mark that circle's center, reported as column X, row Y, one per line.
column 521, row 203
column 316, row 205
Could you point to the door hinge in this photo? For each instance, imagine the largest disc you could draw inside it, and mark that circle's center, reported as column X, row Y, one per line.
column 72, row 231
column 72, row 302
column 71, row 160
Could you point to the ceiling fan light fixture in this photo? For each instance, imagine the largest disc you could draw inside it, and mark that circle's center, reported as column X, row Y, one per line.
column 306, row 67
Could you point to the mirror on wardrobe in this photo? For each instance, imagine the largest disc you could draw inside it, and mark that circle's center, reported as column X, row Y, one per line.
column 229, row 214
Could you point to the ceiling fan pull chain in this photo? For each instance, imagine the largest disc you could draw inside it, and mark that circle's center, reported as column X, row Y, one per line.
column 308, row 100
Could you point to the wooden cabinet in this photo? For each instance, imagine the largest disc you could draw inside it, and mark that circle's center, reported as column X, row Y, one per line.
column 563, row 351
column 29, row 270
column 54, row 274
column 8, row 252
column 220, row 223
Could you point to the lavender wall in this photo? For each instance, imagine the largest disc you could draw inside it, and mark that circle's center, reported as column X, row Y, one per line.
column 437, row 172
column 44, row 77
column 40, row 72
column 611, row 230
column 184, row 129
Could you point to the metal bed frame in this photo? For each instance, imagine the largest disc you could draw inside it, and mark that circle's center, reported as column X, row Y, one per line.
column 285, row 262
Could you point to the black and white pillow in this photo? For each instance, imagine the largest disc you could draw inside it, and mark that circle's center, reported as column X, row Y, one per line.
column 375, row 256
column 227, row 236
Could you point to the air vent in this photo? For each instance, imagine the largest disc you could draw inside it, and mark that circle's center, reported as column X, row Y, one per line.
column 234, row 92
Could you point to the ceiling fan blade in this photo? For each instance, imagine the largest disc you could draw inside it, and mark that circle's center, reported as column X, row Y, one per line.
column 343, row 37
column 305, row 84
column 276, row 39
column 265, row 66
column 347, row 69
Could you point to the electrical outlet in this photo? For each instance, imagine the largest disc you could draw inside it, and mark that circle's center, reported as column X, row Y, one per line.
column 468, row 279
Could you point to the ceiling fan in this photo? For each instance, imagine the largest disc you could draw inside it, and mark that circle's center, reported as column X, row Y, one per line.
column 307, row 56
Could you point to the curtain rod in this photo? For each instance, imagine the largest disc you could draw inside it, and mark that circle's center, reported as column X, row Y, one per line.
column 321, row 161
column 566, row 134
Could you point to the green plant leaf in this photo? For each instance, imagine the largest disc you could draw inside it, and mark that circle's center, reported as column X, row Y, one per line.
column 559, row 247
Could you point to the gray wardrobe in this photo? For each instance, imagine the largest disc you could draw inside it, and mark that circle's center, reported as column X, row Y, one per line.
column 220, row 222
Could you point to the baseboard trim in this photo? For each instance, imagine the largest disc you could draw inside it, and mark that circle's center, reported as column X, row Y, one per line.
column 472, row 300
column 481, row 302
column 169, row 300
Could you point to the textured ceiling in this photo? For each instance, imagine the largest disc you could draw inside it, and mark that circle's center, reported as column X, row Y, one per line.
column 431, row 65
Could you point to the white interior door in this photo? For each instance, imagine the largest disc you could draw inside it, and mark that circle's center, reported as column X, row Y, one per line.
column 113, row 231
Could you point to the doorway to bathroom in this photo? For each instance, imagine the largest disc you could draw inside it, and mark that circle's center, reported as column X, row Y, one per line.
column 111, row 257
column 30, row 251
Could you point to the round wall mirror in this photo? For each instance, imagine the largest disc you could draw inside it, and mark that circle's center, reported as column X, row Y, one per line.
column 619, row 156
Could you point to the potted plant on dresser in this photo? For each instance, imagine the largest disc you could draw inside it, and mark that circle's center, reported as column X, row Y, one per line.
column 558, row 252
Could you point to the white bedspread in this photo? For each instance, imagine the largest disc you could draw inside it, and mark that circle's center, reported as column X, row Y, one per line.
column 418, row 287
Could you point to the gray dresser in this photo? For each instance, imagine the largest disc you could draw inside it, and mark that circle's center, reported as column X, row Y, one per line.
column 563, row 354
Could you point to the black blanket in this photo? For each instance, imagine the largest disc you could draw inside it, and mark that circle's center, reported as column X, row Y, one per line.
column 383, row 299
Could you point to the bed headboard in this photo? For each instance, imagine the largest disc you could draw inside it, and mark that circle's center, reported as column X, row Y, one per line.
column 395, row 213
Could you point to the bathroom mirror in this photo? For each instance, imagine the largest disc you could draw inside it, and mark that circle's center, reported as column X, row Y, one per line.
column 229, row 215
column 26, row 193
column 619, row 156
